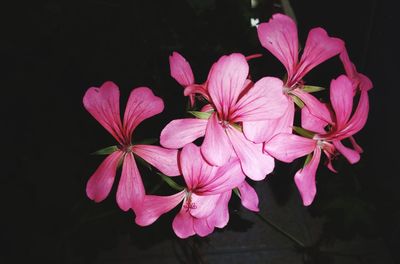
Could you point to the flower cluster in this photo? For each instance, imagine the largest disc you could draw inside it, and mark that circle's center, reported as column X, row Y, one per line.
column 244, row 124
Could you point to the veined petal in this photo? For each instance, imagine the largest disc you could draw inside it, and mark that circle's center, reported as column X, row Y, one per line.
column 288, row 147
column 311, row 122
column 99, row 185
column 216, row 147
column 154, row 206
column 341, row 95
column 316, row 108
column 249, row 197
column 165, row 160
column 201, row 227
column 103, row 104
column 193, row 89
column 279, row 36
column 305, row 178
column 130, row 193
column 265, row 100
column 350, row 154
column 255, row 163
column 142, row 104
column 202, row 205
column 180, row 132
column 220, row 217
column 227, row 81
column 180, row 69
column 183, row 224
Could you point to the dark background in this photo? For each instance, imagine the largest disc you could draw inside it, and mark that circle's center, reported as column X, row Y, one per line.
column 52, row 51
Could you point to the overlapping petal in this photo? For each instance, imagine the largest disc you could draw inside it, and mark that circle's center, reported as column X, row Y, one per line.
column 183, row 224
column 341, row 95
column 248, row 196
column 180, row 69
column 351, row 155
column 220, row 217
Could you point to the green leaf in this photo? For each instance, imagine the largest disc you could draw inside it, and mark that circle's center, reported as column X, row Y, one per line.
column 201, row 115
column 297, row 101
column 303, row 132
column 146, row 141
column 106, row 151
column 312, row 88
column 237, row 192
column 308, row 159
column 237, row 127
column 170, row 182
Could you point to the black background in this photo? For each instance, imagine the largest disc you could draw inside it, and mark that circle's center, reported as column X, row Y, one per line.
column 52, row 51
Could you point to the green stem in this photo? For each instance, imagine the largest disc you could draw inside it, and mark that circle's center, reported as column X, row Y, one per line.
column 280, row 230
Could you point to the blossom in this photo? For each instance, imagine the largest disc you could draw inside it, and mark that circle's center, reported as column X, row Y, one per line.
column 103, row 104
column 235, row 100
column 342, row 124
column 205, row 198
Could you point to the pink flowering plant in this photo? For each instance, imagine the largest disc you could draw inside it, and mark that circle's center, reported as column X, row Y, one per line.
column 239, row 126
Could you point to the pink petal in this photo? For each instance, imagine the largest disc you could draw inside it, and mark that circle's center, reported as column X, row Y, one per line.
column 227, row 81
column 154, row 206
column 100, row 183
column 142, row 104
column 165, row 160
column 193, row 89
column 316, row 108
column 130, row 193
column 183, row 224
column 180, row 132
column 356, row 147
column 265, row 100
column 288, row 147
column 262, row 131
column 203, row 205
column 319, row 48
column 216, row 147
column 365, row 82
column 350, row 154
column 255, row 164
column 357, row 78
column 103, row 104
column 220, row 217
column 201, row 227
column 311, row 122
column 341, row 99
column 279, row 36
column 249, row 197
column 305, row 178
column 180, row 69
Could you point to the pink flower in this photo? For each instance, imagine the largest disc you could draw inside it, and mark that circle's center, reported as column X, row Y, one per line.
column 234, row 103
column 205, row 198
column 343, row 124
column 103, row 104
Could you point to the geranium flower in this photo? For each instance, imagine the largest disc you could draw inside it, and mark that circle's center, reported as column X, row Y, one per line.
column 103, row 104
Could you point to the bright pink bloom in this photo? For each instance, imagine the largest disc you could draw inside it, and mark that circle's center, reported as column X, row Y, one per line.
column 205, row 198
column 234, row 102
column 103, row 104
column 344, row 124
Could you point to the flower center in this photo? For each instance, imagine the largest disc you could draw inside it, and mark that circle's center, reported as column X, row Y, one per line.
column 189, row 205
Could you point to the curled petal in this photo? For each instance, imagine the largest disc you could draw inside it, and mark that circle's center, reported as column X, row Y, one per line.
column 350, row 154
column 355, row 145
column 180, row 69
column 249, row 197
column 316, row 108
column 341, row 99
column 311, row 122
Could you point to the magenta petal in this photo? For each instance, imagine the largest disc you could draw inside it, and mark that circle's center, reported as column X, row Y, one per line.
column 350, row 154
column 220, row 217
column 103, row 104
column 249, row 197
column 154, row 206
column 255, row 163
column 305, row 178
column 180, row 132
column 311, row 122
column 358, row 119
column 341, row 96
column 130, row 193
column 365, row 82
column 226, row 82
column 142, row 104
column 165, row 160
column 180, row 69
column 216, row 147
column 203, row 205
column 316, row 108
column 183, row 224
column 99, row 185
column 355, row 145
column 288, row 147
column 279, row 36
column 201, row 227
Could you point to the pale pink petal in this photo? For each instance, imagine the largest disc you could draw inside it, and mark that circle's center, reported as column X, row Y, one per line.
column 180, row 69
column 249, row 197
column 103, row 104
column 255, row 163
column 319, row 48
column 130, row 193
column 350, row 154
column 202, row 205
column 262, row 131
column 227, row 81
column 165, row 160
column 220, row 217
column 311, row 122
column 288, row 147
column 99, row 185
column 201, row 227
column 316, row 108
column 193, row 89
column 355, row 145
column 180, row 132
column 154, row 206
column 305, row 178
column 265, row 100
column 142, row 104
column 341, row 92
column 183, row 224
column 216, row 147
column 279, row 36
